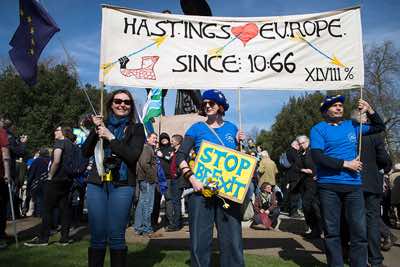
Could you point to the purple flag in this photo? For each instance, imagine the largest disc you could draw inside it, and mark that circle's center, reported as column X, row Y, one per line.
column 35, row 30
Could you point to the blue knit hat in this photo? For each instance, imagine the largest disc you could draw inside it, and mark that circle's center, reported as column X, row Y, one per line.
column 216, row 96
column 329, row 101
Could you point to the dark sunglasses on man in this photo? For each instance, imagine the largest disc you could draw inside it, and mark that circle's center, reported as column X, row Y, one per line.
column 118, row 101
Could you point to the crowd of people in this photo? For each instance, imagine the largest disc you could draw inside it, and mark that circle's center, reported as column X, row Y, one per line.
column 349, row 200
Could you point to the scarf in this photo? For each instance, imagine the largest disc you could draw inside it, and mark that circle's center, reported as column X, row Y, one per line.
column 117, row 128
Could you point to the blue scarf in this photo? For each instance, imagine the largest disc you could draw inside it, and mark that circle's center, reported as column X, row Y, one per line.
column 117, row 128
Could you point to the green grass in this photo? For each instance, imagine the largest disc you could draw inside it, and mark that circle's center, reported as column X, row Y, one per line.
column 138, row 255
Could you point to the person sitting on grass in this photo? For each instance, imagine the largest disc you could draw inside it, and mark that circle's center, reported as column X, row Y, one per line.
column 266, row 210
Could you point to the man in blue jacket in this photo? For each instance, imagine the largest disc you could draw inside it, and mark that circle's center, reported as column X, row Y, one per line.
column 334, row 143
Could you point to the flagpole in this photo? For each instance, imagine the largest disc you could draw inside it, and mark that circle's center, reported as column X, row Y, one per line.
column 73, row 65
column 239, row 118
column 102, row 98
column 361, row 124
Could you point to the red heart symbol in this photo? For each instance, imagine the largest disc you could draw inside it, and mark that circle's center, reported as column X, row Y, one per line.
column 246, row 32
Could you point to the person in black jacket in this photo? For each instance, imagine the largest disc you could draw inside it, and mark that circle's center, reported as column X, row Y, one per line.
column 293, row 176
column 374, row 158
column 308, row 188
column 109, row 197
column 39, row 167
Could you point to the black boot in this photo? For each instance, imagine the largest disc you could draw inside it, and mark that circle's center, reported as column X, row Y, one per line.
column 118, row 257
column 96, row 257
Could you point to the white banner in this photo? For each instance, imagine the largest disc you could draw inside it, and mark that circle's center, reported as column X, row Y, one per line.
column 320, row 51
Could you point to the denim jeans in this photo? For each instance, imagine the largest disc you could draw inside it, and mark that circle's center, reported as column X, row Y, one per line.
column 144, row 208
column 108, row 208
column 373, row 215
column 331, row 206
column 173, row 203
column 203, row 213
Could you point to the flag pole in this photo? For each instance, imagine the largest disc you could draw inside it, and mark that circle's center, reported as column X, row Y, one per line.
column 239, row 118
column 361, row 124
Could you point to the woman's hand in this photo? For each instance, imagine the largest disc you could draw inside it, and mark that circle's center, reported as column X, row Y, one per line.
column 196, row 184
column 98, row 121
column 104, row 133
column 240, row 136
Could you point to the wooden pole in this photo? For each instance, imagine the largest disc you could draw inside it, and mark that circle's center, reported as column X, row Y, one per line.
column 361, row 124
column 239, row 118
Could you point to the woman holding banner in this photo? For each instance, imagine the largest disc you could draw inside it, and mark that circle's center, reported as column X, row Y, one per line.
column 204, row 212
column 109, row 198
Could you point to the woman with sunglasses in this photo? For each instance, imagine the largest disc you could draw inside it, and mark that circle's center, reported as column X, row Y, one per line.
column 109, row 198
column 204, row 212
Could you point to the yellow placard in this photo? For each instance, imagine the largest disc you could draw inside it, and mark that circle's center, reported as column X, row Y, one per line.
column 231, row 168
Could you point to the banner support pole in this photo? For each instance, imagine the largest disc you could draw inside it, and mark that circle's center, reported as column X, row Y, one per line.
column 239, row 117
column 361, row 124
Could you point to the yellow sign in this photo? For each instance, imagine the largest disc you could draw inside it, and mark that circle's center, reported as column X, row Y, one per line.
column 231, row 168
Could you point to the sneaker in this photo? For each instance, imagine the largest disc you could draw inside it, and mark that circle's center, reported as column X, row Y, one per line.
column 312, row 235
column 172, row 229
column 387, row 244
column 153, row 235
column 259, row 227
column 36, row 242
column 3, row 243
column 64, row 243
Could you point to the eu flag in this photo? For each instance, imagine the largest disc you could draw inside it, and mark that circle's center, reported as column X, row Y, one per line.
column 35, row 30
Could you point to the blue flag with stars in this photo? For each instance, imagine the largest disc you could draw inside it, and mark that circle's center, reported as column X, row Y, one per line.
column 35, row 30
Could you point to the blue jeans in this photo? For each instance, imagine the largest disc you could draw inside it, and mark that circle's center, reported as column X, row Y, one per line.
column 203, row 213
column 108, row 208
column 144, row 208
column 173, row 203
column 373, row 215
column 331, row 206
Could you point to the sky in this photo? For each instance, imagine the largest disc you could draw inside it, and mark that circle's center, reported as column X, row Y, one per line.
column 80, row 24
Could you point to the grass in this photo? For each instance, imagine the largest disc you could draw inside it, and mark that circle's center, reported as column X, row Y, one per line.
column 75, row 255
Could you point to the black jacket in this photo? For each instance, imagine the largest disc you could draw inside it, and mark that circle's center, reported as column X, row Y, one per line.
column 128, row 150
column 374, row 158
column 292, row 174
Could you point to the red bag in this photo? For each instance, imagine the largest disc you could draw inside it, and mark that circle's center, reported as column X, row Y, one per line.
column 265, row 220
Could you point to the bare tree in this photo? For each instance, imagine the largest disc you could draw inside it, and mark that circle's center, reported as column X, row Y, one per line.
column 382, row 69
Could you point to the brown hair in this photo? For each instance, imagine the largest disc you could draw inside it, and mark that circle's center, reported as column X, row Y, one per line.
column 67, row 132
column 264, row 185
column 132, row 112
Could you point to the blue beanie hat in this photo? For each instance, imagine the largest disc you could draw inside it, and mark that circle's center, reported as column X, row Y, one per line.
column 216, row 96
column 329, row 101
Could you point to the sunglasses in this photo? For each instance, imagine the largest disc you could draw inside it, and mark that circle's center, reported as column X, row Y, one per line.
column 118, row 101
column 209, row 102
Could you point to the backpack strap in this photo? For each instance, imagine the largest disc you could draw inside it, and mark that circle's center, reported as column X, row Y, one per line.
column 215, row 133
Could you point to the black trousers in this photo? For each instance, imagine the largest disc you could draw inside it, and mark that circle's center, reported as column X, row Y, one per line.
column 56, row 194
column 373, row 214
column 156, row 208
column 3, row 207
column 311, row 208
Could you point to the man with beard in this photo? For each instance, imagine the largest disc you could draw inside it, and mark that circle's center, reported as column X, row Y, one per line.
column 334, row 151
